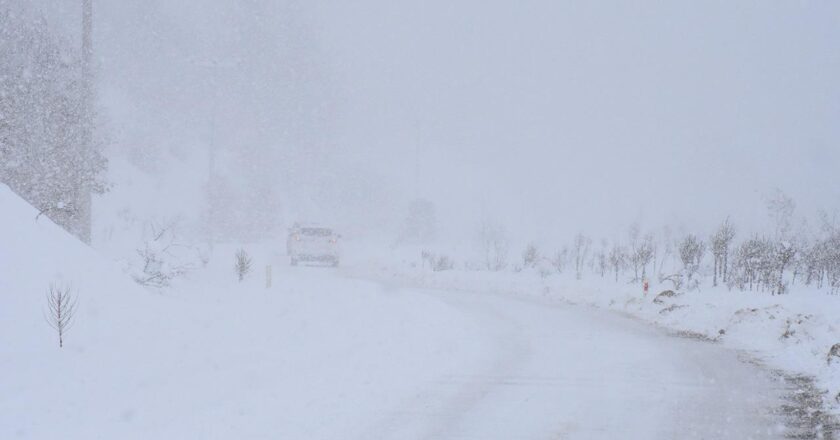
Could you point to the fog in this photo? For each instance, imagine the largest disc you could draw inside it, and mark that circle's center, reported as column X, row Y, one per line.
column 547, row 117
column 563, row 116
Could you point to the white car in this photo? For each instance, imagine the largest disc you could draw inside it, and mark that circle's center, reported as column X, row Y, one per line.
column 312, row 243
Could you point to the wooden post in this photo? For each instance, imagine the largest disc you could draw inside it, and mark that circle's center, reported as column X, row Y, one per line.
column 83, row 217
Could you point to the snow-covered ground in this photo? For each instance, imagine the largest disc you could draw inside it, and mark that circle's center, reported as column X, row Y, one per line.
column 792, row 334
column 322, row 354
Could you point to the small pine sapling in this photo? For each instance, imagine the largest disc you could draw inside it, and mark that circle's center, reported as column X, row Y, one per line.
column 243, row 264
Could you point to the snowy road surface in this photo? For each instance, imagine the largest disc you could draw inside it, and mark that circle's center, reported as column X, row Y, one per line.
column 324, row 356
column 553, row 372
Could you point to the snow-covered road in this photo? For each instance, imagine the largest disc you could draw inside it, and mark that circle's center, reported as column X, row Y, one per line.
column 322, row 355
column 549, row 372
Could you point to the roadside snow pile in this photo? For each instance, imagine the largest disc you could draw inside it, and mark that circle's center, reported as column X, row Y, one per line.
column 795, row 333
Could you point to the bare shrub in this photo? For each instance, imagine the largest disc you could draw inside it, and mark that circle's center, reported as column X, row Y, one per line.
column 675, row 279
column 560, row 259
column 61, row 310
column 162, row 255
column 641, row 254
column 243, row 264
column 691, row 252
column 442, row 263
column 544, row 269
column 426, row 256
column 493, row 243
column 530, row 255
column 721, row 242
column 437, row 263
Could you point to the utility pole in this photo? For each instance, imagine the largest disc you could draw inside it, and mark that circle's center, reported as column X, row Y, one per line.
column 84, row 201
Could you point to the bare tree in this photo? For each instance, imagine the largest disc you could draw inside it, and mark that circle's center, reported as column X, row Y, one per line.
column 580, row 247
column 691, row 255
column 601, row 262
column 753, row 261
column 667, row 251
column 530, row 255
column 784, row 253
column 780, row 208
column 61, row 310
column 721, row 242
column 633, row 234
column 560, row 259
column 493, row 242
column 641, row 253
column 645, row 253
column 420, row 224
column 243, row 264
column 617, row 259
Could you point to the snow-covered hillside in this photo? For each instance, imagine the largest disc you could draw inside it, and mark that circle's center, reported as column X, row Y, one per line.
column 216, row 359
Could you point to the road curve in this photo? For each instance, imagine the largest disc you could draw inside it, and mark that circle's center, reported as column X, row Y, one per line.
column 548, row 371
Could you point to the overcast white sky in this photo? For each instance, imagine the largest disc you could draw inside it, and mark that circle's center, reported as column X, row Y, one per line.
column 554, row 116
column 588, row 113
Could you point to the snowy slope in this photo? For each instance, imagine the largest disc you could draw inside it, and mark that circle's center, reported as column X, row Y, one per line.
column 43, row 388
column 217, row 359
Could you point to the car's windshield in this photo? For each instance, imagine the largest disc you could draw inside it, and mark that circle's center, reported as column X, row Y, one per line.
column 316, row 232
